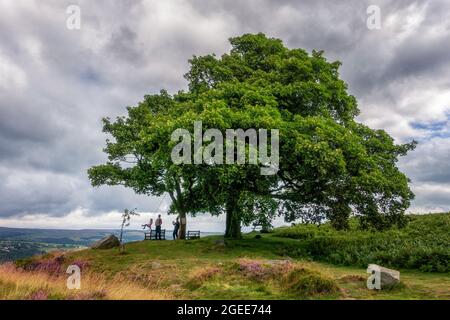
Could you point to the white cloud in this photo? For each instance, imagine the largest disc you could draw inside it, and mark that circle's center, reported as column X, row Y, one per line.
column 12, row 77
column 80, row 218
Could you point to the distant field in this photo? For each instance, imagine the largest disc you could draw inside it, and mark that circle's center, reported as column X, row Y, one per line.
column 17, row 243
column 61, row 236
column 13, row 250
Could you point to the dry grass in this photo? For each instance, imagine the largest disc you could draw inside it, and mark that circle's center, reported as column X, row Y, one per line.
column 152, row 274
column 200, row 275
column 308, row 282
column 19, row 284
column 246, row 269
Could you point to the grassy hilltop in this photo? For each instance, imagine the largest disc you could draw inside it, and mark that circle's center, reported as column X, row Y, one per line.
column 299, row 262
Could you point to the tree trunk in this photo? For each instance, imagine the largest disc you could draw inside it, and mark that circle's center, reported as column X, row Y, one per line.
column 339, row 215
column 182, row 231
column 233, row 220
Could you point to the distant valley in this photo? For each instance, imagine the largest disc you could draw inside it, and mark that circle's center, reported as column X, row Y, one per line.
column 17, row 243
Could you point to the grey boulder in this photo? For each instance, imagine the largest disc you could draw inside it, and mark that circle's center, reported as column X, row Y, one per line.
column 387, row 277
column 107, row 242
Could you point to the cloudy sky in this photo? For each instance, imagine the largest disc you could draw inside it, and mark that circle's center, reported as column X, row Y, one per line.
column 56, row 84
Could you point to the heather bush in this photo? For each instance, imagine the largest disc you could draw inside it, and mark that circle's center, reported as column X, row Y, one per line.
column 198, row 277
column 39, row 295
column 83, row 265
column 50, row 263
column 262, row 270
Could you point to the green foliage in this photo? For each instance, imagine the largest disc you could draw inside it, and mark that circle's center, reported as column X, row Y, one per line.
column 279, row 278
column 330, row 166
column 23, row 263
column 305, row 282
column 423, row 244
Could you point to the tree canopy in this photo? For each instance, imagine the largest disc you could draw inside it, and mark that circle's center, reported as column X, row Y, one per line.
column 330, row 166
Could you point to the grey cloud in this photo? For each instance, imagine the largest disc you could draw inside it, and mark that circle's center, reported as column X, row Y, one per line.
column 50, row 129
column 56, row 194
column 429, row 162
column 125, row 46
column 25, row 192
column 431, row 198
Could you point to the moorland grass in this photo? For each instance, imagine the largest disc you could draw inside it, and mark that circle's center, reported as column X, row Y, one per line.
column 424, row 244
column 301, row 262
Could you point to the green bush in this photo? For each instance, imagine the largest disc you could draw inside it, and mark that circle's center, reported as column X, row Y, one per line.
column 424, row 244
column 23, row 263
column 306, row 282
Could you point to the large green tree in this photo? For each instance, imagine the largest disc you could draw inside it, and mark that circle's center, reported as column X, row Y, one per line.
column 330, row 166
column 139, row 154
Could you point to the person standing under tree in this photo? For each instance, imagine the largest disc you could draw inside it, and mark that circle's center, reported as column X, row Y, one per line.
column 176, row 226
column 158, row 223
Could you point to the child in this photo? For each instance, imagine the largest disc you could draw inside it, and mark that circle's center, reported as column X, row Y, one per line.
column 149, row 224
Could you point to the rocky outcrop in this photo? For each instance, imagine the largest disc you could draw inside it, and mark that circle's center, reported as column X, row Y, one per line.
column 108, row 242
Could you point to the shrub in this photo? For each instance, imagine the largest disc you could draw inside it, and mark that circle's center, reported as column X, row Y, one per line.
column 423, row 244
column 39, row 295
column 83, row 265
column 259, row 271
column 306, row 282
column 23, row 263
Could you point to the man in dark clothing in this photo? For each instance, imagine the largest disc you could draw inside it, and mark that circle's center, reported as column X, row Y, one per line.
column 176, row 227
column 158, row 223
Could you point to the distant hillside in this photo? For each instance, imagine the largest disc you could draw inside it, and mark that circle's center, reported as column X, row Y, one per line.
column 18, row 243
column 61, row 236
